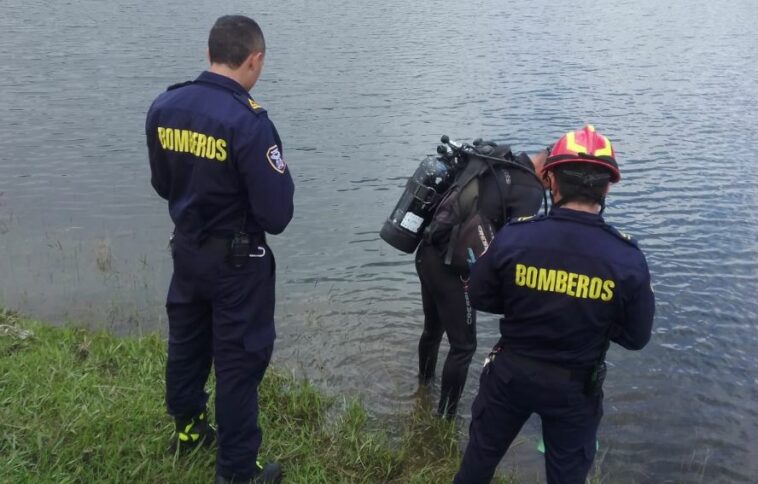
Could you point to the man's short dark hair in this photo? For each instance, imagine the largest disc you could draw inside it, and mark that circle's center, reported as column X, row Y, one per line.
column 233, row 38
column 582, row 182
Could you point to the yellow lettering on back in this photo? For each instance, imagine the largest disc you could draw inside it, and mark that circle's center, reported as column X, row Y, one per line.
column 596, row 284
column 187, row 141
column 520, row 274
column 571, row 283
column 210, row 148
column 564, row 282
column 200, row 147
column 221, row 149
column 546, row 280
column 193, row 142
column 582, row 284
column 161, row 135
column 177, row 139
column 531, row 277
column 560, row 281
column 608, row 286
column 182, row 141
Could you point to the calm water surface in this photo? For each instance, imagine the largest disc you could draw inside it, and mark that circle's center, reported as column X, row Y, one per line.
column 360, row 92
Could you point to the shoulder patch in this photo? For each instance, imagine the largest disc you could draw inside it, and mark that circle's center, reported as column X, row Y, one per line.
column 623, row 236
column 249, row 103
column 178, row 85
column 274, row 157
column 529, row 218
column 254, row 105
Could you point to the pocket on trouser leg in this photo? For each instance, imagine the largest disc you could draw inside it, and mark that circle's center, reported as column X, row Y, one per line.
column 571, row 465
column 477, row 428
column 256, row 363
column 491, row 382
column 263, row 355
column 261, row 330
column 259, row 337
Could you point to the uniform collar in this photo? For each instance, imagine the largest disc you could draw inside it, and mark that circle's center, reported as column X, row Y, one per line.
column 223, row 81
column 577, row 216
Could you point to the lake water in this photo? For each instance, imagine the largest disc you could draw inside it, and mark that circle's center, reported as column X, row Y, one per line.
column 360, row 92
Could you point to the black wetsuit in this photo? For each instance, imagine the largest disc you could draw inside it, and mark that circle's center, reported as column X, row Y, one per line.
column 444, row 293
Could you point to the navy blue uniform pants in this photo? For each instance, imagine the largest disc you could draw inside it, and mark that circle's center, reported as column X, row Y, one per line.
column 447, row 310
column 220, row 315
column 509, row 393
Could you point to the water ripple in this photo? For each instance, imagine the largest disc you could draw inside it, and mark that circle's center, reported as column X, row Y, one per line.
column 359, row 100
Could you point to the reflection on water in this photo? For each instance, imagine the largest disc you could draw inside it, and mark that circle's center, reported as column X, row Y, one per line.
column 360, row 95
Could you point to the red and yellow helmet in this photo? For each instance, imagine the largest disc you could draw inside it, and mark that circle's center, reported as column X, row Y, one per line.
column 584, row 146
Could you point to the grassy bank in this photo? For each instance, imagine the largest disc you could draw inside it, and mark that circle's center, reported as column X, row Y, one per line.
column 81, row 406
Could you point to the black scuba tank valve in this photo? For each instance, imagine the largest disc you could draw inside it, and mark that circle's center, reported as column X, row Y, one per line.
column 445, row 139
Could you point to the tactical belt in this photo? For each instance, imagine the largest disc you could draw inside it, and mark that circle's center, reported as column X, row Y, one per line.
column 214, row 242
column 544, row 367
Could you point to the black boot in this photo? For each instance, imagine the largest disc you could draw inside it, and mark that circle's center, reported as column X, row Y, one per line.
column 193, row 432
column 270, row 473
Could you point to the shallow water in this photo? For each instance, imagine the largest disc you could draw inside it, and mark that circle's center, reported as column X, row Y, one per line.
column 360, row 93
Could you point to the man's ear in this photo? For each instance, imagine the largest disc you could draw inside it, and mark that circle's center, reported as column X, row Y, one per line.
column 255, row 59
column 546, row 180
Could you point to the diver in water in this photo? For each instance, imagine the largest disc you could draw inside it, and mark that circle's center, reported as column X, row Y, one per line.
column 495, row 196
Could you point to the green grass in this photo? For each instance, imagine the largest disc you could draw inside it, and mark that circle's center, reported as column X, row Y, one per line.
column 83, row 406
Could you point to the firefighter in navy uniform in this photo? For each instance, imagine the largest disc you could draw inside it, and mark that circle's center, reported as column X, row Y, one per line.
column 566, row 284
column 218, row 160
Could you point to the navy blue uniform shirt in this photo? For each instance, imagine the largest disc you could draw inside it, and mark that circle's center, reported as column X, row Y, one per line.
column 218, row 160
column 564, row 283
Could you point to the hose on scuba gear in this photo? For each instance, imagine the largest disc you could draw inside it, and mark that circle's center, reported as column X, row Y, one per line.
column 405, row 226
column 468, row 150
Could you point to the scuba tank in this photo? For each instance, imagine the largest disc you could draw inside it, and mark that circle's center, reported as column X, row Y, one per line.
column 423, row 191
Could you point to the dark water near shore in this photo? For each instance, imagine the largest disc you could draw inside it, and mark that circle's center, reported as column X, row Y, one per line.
column 360, row 93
